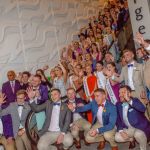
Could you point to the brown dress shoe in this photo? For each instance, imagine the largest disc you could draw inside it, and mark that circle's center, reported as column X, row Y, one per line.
column 77, row 144
column 101, row 145
column 132, row 145
column 115, row 148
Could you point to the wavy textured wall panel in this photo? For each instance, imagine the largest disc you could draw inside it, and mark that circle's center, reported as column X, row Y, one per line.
column 33, row 31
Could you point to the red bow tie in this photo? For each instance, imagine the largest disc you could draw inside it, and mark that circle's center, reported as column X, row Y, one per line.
column 101, row 105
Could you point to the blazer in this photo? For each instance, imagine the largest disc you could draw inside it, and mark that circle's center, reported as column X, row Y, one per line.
column 64, row 118
column 136, row 117
column 44, row 94
column 109, row 116
column 138, row 79
column 7, row 90
column 12, row 109
column 146, row 72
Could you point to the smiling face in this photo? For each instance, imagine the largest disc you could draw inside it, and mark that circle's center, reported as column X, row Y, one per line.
column 100, row 97
column 128, row 56
column 11, row 75
column 55, row 95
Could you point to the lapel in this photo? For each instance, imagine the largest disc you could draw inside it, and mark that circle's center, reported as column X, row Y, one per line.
column 104, row 111
column 16, row 110
column 24, row 111
column 121, row 111
column 61, row 114
column 10, row 88
column 134, row 68
column 49, row 111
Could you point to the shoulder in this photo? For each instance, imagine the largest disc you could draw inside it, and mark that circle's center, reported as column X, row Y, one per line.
column 5, row 83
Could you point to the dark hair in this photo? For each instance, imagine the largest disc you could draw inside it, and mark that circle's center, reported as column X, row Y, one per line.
column 114, row 65
column 127, row 87
column 38, row 76
column 54, row 89
column 100, row 62
column 100, row 90
column 71, row 89
column 27, row 73
column 40, row 70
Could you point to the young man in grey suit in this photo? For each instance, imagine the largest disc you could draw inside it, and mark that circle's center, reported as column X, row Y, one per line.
column 19, row 111
column 56, row 126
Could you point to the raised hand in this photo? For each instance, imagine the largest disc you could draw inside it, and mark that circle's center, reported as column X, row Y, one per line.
column 31, row 94
column 2, row 98
column 71, row 106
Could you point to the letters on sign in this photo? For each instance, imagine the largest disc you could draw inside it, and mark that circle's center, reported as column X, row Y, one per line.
column 139, row 17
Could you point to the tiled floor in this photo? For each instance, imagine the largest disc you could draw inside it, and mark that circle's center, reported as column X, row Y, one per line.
column 123, row 146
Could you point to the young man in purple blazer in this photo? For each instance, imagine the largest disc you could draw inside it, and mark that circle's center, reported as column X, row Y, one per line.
column 10, row 89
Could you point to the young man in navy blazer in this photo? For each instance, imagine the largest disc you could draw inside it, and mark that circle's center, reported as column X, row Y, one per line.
column 131, row 121
column 104, row 120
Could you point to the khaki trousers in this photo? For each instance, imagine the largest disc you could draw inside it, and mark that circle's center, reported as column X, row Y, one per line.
column 7, row 146
column 82, row 125
column 139, row 135
column 108, row 136
column 49, row 138
column 23, row 143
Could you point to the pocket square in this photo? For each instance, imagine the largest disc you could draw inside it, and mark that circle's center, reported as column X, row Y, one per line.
column 130, row 109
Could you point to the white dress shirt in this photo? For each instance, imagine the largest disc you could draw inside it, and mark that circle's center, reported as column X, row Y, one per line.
column 147, row 48
column 54, row 123
column 100, row 113
column 125, row 114
column 130, row 76
column 20, row 108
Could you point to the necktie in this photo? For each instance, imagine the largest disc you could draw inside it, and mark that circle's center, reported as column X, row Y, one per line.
column 130, row 65
column 12, row 86
column 56, row 104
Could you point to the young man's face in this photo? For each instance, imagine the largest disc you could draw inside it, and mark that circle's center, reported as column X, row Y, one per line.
column 36, row 81
column 71, row 94
column 20, row 99
column 99, row 97
column 11, row 76
column 55, row 95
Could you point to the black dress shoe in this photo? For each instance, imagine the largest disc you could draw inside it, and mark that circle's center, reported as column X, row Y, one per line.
column 77, row 144
column 132, row 144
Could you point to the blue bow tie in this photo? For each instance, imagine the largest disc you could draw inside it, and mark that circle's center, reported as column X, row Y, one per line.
column 56, row 104
column 130, row 65
column 125, row 104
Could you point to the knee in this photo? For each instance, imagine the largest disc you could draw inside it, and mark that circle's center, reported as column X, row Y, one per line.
column 75, row 133
column 108, row 137
column 89, row 138
column 117, row 137
column 41, row 145
column 68, row 140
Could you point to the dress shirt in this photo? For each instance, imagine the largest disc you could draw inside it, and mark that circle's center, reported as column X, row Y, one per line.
column 54, row 123
column 125, row 113
column 20, row 108
column 100, row 113
column 37, row 89
column 76, row 116
column 130, row 75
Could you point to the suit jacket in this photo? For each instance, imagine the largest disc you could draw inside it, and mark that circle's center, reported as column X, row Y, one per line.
column 109, row 116
column 7, row 90
column 12, row 109
column 146, row 72
column 78, row 101
column 137, row 78
column 136, row 117
column 64, row 118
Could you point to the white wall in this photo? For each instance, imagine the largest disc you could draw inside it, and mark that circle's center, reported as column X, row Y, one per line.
column 33, row 31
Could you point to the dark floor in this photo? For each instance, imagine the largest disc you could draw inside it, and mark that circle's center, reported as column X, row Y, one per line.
column 123, row 146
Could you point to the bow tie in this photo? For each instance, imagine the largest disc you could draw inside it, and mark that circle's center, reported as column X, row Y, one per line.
column 100, row 105
column 56, row 104
column 130, row 65
column 20, row 105
column 125, row 104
